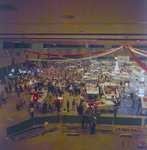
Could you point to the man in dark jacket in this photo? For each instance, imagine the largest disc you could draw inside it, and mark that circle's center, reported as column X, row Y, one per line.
column 58, row 105
column 67, row 105
column 44, row 107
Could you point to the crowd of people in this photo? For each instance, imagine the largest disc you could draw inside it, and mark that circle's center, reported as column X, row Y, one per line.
column 57, row 80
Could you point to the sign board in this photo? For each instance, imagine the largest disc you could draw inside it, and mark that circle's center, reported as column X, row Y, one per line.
column 144, row 102
column 141, row 91
column 123, row 59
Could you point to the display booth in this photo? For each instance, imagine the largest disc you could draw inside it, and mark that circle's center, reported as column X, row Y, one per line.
column 144, row 105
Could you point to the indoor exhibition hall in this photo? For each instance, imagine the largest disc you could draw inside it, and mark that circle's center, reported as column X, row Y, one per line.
column 73, row 75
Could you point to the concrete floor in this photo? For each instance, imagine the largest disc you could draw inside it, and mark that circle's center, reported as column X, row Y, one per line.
column 57, row 140
column 85, row 141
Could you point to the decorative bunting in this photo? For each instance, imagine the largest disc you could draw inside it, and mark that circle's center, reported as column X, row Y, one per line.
column 120, row 52
column 85, row 54
column 84, row 58
column 140, row 63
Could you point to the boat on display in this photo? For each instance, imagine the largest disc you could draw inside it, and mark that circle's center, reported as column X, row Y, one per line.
column 103, row 104
column 123, row 75
column 92, row 90
column 92, row 99
column 138, row 76
column 110, row 90
column 39, row 96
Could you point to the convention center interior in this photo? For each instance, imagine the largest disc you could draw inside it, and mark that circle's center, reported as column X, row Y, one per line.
column 73, row 74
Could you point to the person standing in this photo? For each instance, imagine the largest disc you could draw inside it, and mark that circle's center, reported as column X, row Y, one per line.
column 16, row 87
column 32, row 112
column 44, row 107
column 58, row 105
column 6, row 88
column 115, row 111
column 93, row 125
column 67, row 106
column 95, row 108
column 77, row 103
column 73, row 104
column 88, row 119
column 139, row 106
column 10, row 87
column 18, row 92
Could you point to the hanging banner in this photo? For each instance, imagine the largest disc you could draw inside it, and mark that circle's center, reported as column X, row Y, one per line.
column 139, row 52
column 120, row 52
column 123, row 59
column 140, row 63
column 77, row 59
column 72, row 55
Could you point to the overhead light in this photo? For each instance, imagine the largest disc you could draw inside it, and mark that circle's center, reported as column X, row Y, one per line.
column 67, row 17
column 143, row 22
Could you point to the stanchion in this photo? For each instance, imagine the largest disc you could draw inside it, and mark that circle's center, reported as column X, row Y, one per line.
column 125, row 98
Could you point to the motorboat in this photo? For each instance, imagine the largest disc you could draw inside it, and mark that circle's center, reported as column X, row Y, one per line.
column 39, row 96
column 92, row 90
column 123, row 75
column 92, row 99
column 110, row 90
column 103, row 104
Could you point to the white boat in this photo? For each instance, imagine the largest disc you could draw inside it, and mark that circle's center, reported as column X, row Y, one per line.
column 39, row 96
column 92, row 90
column 92, row 94
column 123, row 75
column 110, row 90
column 103, row 104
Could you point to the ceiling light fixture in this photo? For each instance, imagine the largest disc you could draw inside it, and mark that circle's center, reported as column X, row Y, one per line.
column 67, row 17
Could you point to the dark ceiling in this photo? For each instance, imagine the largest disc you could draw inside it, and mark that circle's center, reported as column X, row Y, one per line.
column 74, row 21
